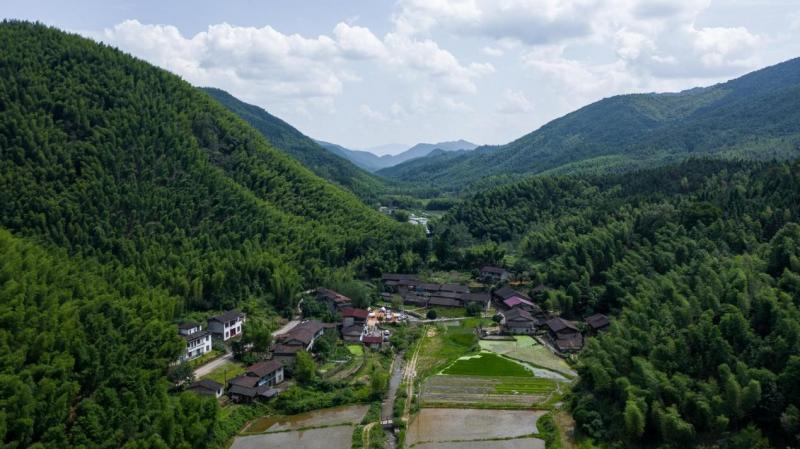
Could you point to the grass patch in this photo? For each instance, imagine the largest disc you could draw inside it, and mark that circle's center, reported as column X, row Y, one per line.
column 442, row 344
column 525, row 386
column 487, row 364
column 449, row 312
column 357, row 350
column 205, row 358
column 528, row 350
column 226, row 372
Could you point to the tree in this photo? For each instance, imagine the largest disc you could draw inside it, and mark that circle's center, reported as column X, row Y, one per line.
column 305, row 370
column 182, row 373
column 634, row 420
column 431, row 314
column 474, row 309
column 377, row 384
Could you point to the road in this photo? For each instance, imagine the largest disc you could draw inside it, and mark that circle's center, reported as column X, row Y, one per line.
column 204, row 370
column 208, row 368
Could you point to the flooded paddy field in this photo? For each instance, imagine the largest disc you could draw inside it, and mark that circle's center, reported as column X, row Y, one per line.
column 338, row 437
column 352, row 414
column 518, row 443
column 330, row 428
column 446, row 425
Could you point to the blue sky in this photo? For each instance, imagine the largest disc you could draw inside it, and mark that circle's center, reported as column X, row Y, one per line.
column 367, row 73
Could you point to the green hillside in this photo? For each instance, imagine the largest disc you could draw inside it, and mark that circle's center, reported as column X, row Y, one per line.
column 698, row 265
column 127, row 199
column 756, row 116
column 301, row 147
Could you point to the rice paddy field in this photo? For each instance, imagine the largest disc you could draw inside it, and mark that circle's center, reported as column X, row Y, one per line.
column 352, row 414
column 528, row 350
column 439, row 428
column 339, row 437
column 330, row 428
column 486, row 392
column 486, row 364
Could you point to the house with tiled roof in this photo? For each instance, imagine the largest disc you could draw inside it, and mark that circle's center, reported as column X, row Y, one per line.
column 227, row 325
column 494, row 274
column 518, row 321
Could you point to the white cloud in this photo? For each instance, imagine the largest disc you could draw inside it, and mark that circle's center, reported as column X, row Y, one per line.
column 256, row 62
column 529, row 21
column 425, row 57
column 514, row 102
column 266, row 66
column 358, row 42
column 655, row 37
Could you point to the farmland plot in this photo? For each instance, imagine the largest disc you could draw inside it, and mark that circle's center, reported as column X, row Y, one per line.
column 528, row 350
column 436, row 425
column 486, row 391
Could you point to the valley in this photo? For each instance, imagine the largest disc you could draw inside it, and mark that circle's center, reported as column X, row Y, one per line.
column 182, row 269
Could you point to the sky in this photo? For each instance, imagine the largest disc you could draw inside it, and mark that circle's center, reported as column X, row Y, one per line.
column 367, row 73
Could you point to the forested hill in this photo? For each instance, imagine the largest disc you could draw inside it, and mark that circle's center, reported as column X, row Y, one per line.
column 301, row 147
column 128, row 198
column 112, row 158
column 699, row 266
column 756, row 116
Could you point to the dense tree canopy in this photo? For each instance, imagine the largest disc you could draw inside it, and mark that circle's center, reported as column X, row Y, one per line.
column 128, row 198
column 700, row 265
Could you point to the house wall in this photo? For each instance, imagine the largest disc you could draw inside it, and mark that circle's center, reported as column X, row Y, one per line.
column 196, row 348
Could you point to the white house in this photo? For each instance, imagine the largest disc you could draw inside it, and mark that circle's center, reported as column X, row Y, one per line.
column 227, row 325
column 198, row 341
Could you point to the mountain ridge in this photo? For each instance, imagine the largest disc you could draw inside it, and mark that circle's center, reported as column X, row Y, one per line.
column 308, row 152
column 754, row 116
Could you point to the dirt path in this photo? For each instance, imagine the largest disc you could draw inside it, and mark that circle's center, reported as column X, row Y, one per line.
column 409, row 374
column 566, row 427
column 365, row 434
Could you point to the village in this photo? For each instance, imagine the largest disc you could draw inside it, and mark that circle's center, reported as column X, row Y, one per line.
column 348, row 344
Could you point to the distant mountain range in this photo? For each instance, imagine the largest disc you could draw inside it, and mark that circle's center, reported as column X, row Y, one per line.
column 756, row 116
column 373, row 162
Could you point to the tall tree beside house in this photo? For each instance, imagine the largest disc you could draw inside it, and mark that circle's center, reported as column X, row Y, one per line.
column 305, row 370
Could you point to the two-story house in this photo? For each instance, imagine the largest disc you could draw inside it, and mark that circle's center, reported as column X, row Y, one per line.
column 227, row 325
column 198, row 341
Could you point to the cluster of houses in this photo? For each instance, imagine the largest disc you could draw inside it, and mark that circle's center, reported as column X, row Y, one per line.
column 520, row 315
column 259, row 381
column 357, row 325
column 198, row 340
column 418, row 293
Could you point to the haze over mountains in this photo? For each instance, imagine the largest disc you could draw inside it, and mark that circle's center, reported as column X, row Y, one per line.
column 756, row 116
column 373, row 162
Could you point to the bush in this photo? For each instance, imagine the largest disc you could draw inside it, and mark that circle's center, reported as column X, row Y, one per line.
column 431, row 315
